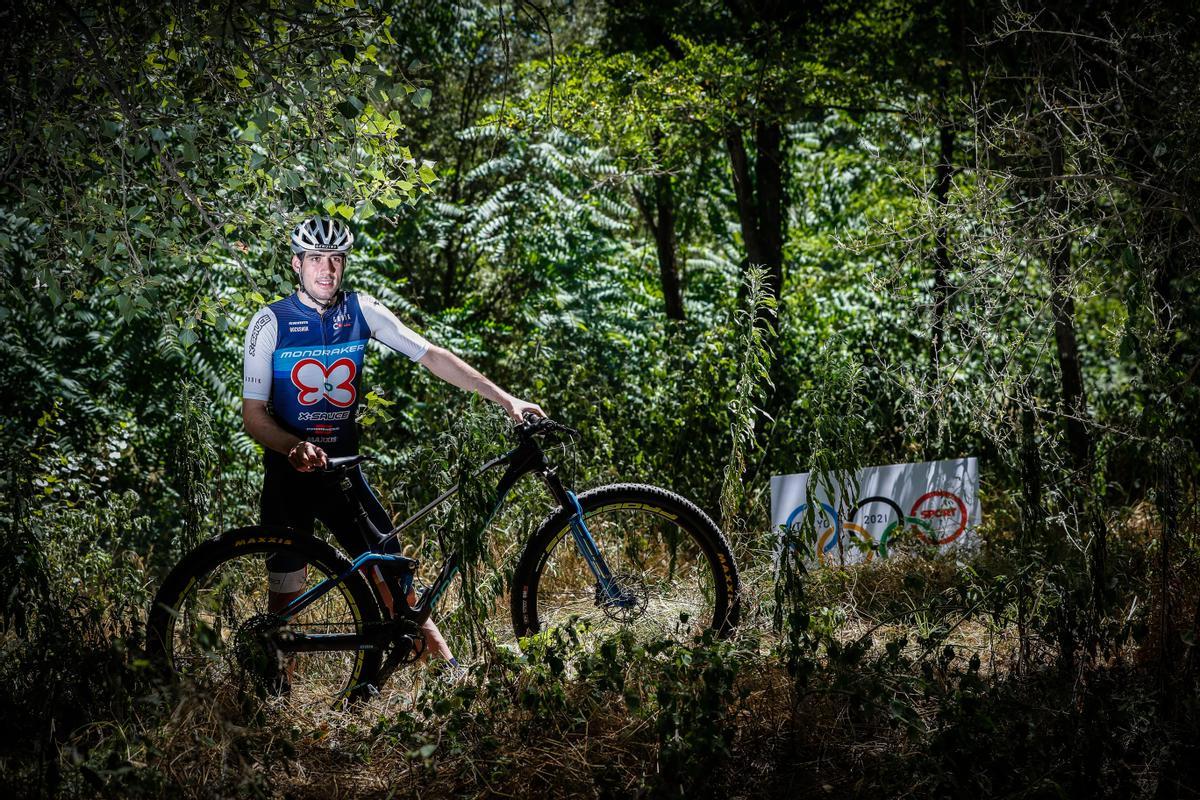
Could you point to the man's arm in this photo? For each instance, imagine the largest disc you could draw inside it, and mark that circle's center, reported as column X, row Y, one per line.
column 261, row 335
column 455, row 371
column 389, row 330
column 304, row 456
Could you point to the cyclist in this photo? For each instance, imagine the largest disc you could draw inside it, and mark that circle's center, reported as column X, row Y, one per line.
column 303, row 365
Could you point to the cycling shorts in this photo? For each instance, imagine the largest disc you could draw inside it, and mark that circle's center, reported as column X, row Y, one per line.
column 297, row 499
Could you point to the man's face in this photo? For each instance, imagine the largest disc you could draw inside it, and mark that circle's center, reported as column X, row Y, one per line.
column 320, row 273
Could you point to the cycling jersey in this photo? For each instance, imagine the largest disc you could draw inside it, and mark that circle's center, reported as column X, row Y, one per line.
column 308, row 366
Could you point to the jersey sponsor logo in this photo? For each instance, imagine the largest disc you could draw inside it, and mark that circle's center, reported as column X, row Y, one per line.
column 315, row 382
column 318, row 351
column 315, row 416
column 298, row 326
column 259, row 324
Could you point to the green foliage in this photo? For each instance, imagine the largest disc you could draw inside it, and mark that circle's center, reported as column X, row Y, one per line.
column 753, row 355
column 196, row 453
column 153, row 157
column 474, row 432
column 76, row 589
column 159, row 142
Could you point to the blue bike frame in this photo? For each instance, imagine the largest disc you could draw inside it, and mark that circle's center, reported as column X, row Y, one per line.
column 525, row 458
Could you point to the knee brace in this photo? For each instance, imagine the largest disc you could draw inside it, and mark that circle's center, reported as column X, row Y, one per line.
column 282, row 582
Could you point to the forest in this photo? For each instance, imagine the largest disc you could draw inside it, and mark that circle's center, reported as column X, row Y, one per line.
column 724, row 240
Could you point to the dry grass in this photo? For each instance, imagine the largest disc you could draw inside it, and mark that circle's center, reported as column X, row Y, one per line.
column 601, row 725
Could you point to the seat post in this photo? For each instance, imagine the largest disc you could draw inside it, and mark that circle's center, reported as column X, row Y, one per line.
column 360, row 511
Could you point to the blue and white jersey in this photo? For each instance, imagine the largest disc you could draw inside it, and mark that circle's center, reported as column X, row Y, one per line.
column 308, row 366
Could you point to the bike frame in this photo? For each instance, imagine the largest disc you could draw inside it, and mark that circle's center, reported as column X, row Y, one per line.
column 527, row 457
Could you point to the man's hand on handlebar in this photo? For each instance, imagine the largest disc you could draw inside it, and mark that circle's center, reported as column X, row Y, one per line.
column 306, row 456
column 533, row 425
column 518, row 409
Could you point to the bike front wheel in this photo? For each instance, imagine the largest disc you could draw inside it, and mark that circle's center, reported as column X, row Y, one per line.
column 211, row 628
column 673, row 570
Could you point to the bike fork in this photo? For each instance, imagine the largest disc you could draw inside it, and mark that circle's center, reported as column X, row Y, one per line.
column 608, row 585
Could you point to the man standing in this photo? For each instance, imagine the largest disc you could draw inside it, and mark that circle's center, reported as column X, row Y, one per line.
column 303, row 367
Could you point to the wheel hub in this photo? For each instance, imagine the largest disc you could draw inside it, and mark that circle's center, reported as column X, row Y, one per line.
column 256, row 652
column 632, row 597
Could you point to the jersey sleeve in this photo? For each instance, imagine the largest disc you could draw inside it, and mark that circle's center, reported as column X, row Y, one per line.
column 386, row 328
column 261, row 335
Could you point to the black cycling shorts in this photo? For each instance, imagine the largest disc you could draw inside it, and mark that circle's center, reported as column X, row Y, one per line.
column 297, row 499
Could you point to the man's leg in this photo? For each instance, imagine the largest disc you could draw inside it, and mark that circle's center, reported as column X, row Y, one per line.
column 284, row 585
column 284, row 502
column 434, row 643
column 351, row 538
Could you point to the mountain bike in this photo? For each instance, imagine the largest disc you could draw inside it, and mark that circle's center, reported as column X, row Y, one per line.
column 619, row 556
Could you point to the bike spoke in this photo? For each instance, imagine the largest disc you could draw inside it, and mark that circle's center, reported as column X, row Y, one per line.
column 223, row 637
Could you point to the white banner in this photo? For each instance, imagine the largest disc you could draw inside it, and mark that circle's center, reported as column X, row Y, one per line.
column 936, row 502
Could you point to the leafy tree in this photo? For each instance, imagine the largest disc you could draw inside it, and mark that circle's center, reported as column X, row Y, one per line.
column 157, row 145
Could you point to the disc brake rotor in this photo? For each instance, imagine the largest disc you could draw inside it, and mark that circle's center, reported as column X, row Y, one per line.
column 632, row 597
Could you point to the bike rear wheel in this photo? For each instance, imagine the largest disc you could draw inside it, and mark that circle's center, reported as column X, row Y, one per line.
column 668, row 558
column 211, row 628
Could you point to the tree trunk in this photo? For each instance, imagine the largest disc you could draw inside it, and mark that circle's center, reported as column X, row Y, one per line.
column 1074, row 399
column 1032, row 515
column 664, row 239
column 768, row 174
column 450, row 277
column 760, row 198
column 941, row 252
column 1063, row 307
column 661, row 221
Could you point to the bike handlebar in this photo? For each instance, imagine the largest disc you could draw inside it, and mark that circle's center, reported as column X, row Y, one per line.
column 532, row 426
column 537, row 426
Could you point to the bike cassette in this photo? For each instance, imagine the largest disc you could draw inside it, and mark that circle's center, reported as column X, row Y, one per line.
column 256, row 652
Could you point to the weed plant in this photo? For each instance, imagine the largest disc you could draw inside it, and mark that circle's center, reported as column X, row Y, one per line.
column 934, row 674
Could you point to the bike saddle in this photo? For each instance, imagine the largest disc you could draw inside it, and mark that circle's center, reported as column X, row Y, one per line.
column 344, row 462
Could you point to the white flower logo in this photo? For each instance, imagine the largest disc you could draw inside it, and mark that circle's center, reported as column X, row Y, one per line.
column 315, row 382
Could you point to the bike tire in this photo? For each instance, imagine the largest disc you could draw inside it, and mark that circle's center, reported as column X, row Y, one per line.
column 671, row 552
column 197, row 626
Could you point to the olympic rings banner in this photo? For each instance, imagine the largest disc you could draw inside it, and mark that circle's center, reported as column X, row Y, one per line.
column 936, row 502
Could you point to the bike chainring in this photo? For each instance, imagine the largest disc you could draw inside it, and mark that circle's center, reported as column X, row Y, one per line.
column 631, row 603
column 408, row 640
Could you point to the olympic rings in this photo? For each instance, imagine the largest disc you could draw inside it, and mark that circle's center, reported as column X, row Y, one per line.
column 803, row 506
column 921, row 519
column 933, row 513
column 887, row 501
column 916, row 522
column 860, row 533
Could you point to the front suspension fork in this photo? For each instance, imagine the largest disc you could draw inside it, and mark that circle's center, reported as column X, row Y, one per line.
column 609, row 587
column 584, row 541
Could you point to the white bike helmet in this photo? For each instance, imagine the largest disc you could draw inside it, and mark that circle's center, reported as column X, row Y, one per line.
column 322, row 234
